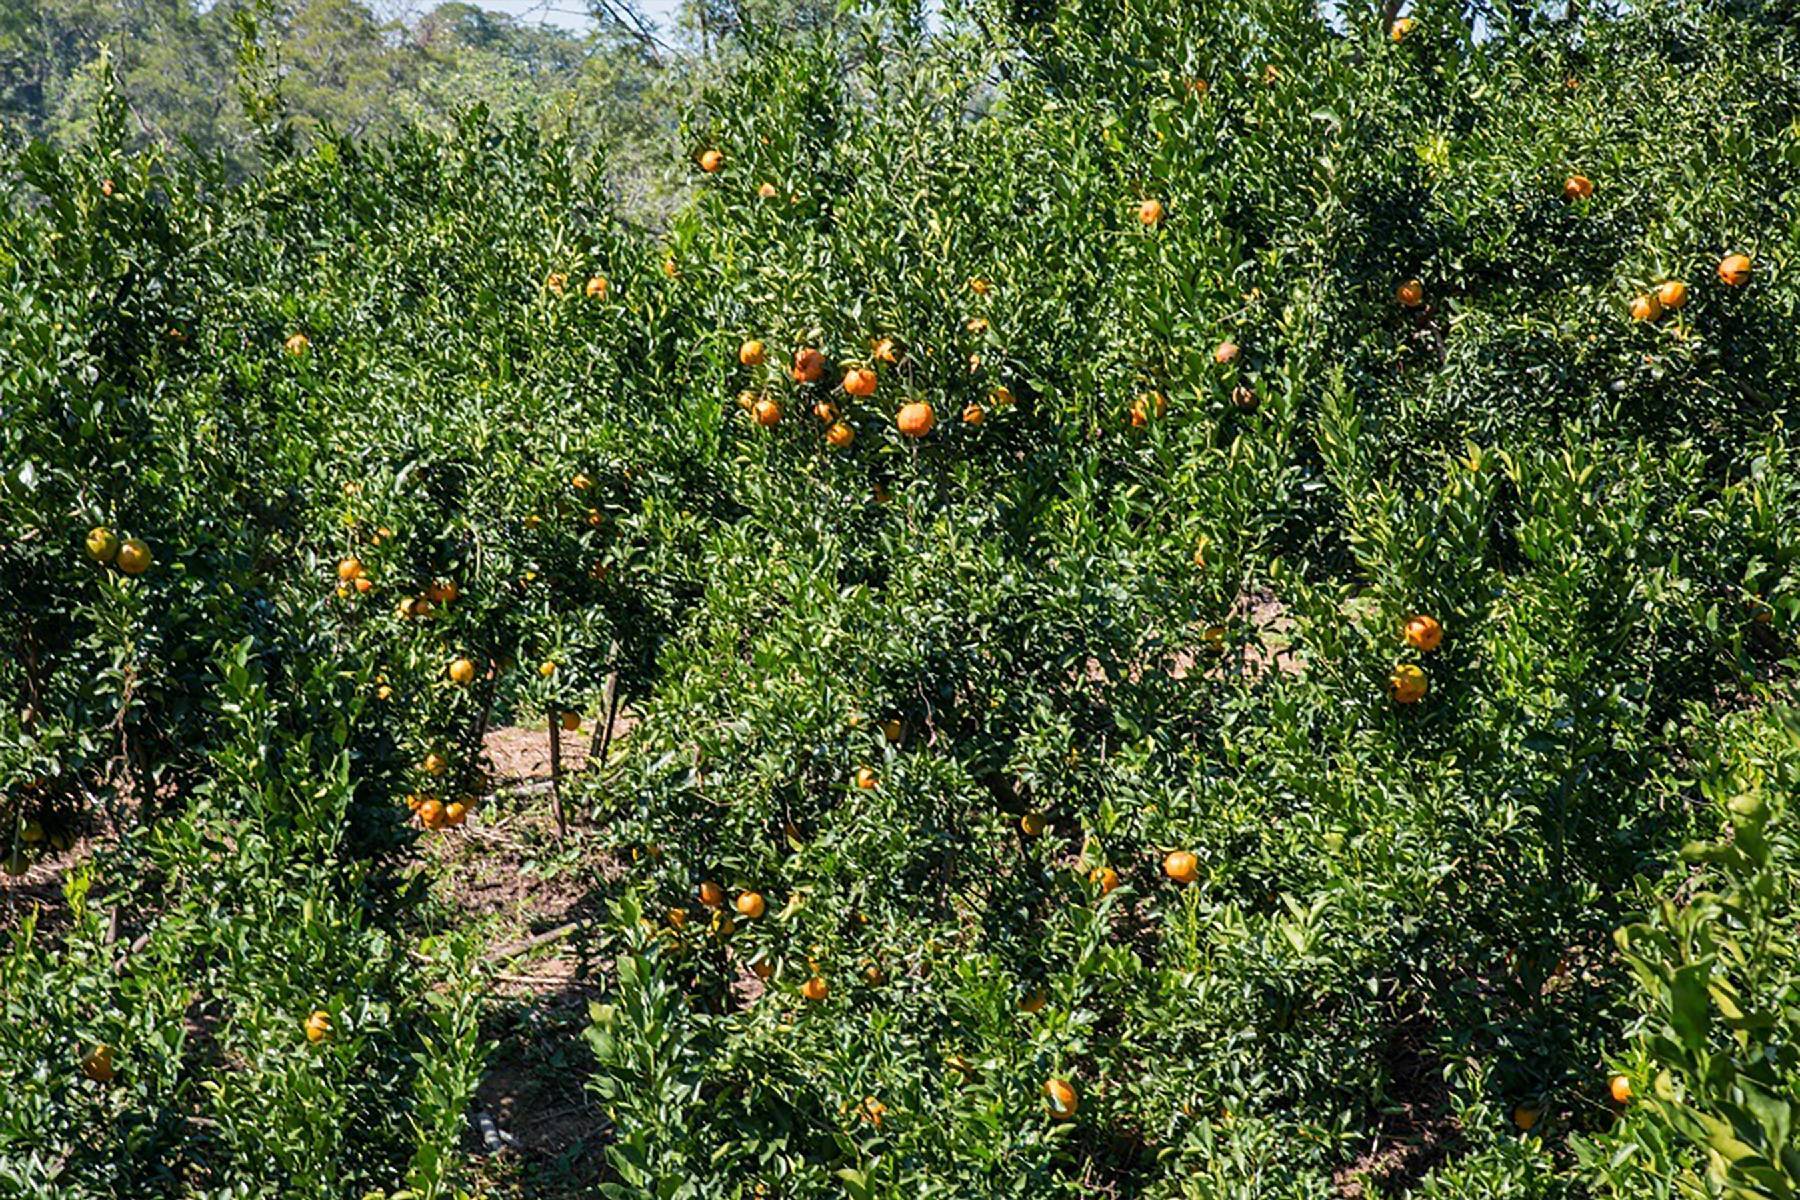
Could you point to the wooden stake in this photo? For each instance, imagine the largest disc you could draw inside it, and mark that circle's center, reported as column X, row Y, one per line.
column 609, row 711
column 556, row 808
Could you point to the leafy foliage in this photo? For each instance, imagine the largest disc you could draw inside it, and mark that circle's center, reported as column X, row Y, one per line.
column 1057, row 795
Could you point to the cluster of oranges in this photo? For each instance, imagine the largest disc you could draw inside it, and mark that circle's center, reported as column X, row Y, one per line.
column 748, row 905
column 1672, row 295
column 354, row 579
column 914, row 419
column 596, row 288
column 1408, row 683
column 435, row 814
column 130, row 556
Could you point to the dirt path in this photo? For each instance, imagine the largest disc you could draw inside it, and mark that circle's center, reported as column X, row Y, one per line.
column 536, row 1133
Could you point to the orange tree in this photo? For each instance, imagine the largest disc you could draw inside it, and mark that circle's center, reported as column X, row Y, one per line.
column 1713, row 1070
column 306, row 480
column 1075, row 731
column 1173, row 564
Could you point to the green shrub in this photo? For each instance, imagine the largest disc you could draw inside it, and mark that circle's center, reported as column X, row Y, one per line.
column 1132, row 595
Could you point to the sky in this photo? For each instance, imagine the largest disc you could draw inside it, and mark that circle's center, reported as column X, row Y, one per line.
column 570, row 14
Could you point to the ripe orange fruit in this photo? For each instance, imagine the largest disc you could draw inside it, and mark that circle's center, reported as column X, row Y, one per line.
column 1734, row 270
column 866, row 778
column 973, row 415
column 434, row 764
column 1577, row 187
column 975, row 325
column 1245, row 398
column 815, row 989
column 1645, row 307
column 840, row 435
column 750, row 905
column 762, row 968
column 1401, row 28
column 442, row 591
column 580, row 482
column 1001, row 396
column 365, row 586
column 595, row 288
column 872, row 1110
column 571, row 721
column 1181, row 866
column 1408, row 685
column 431, row 814
column 414, row 800
column 893, row 729
column 1032, row 824
column 462, row 671
column 1672, row 294
column 859, row 381
column 1147, row 405
column 1620, row 1087
column 980, row 286
column 711, row 894
column 318, row 1026
column 1104, row 878
column 678, row 918
column 809, row 365
column 1525, row 1117
column 102, row 544
column 711, row 161
column 1225, row 352
column 1034, row 1001
column 133, row 557
column 1424, row 633
column 1150, row 212
column 297, row 344
column 97, row 1064
column 767, row 412
column 546, row 669
column 766, row 191
column 556, row 282
column 751, row 353
column 916, row 419
column 455, row 813
column 1410, row 294
column 885, row 351
column 670, row 269
column 1060, row 1095
column 874, row 975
